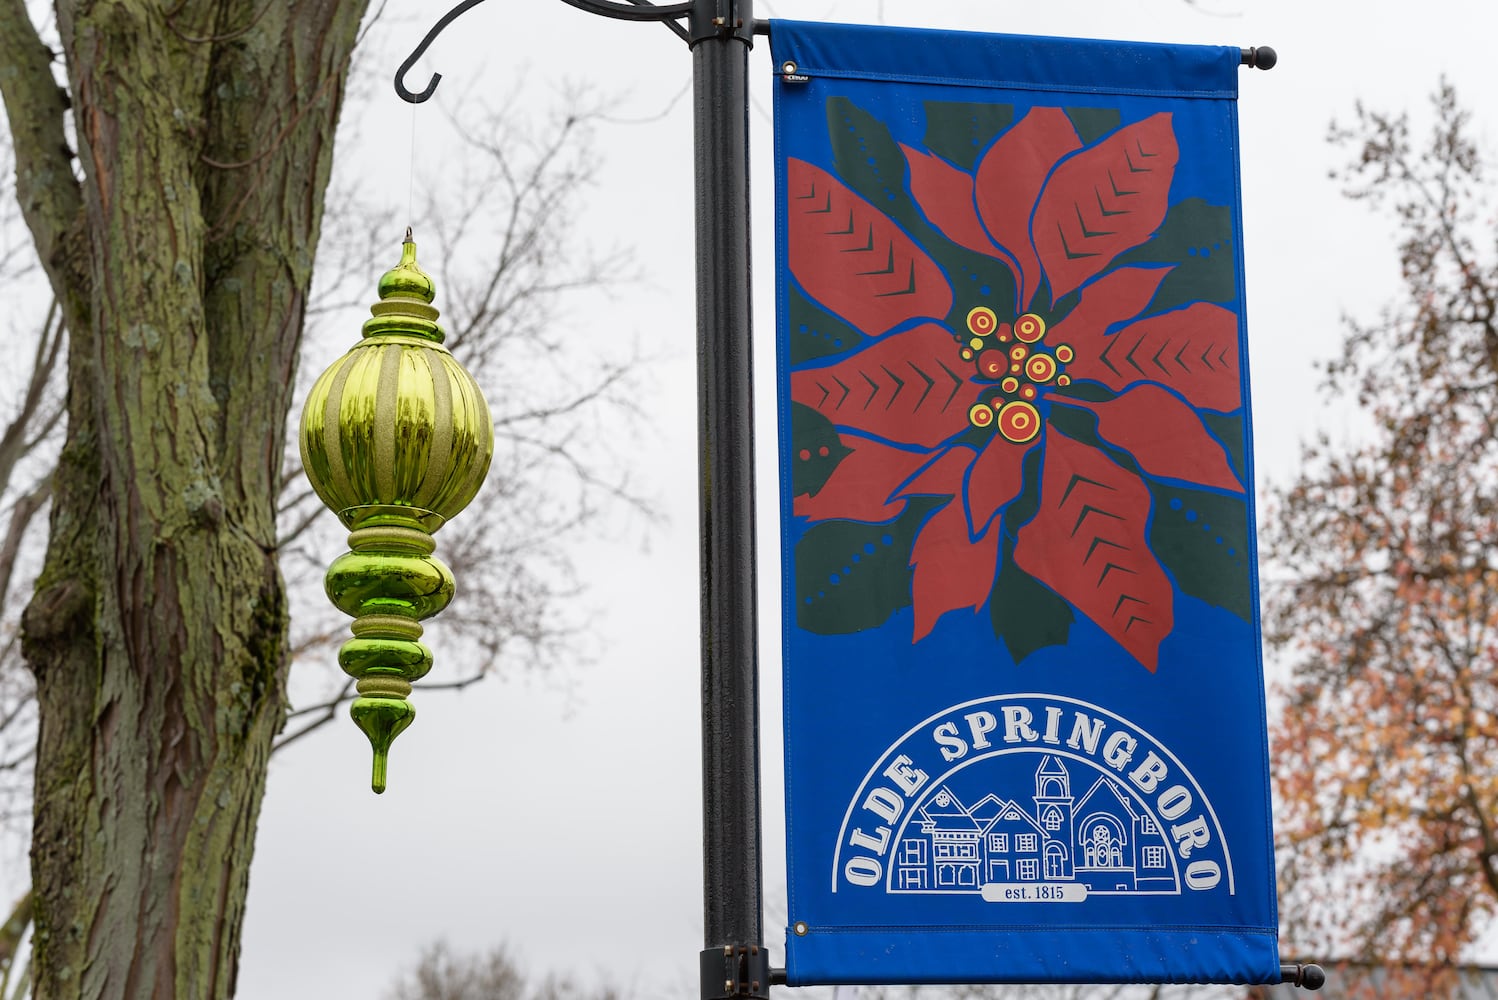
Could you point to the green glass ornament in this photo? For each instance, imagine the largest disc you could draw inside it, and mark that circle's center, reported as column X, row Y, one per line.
column 396, row 439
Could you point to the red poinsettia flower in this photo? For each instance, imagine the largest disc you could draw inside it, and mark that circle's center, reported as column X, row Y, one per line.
column 947, row 399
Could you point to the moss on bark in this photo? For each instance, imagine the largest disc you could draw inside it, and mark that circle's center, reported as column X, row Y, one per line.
column 181, row 250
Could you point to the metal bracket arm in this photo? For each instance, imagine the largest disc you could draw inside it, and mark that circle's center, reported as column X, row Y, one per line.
column 635, row 10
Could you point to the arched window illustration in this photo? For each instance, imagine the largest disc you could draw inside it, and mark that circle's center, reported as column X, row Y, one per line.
column 1052, row 788
column 1055, row 861
column 1053, row 819
column 1103, row 849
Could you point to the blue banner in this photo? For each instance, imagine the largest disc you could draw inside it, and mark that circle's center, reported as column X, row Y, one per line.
column 1025, row 721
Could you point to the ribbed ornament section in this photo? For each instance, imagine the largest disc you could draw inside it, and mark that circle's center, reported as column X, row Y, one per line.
column 397, row 422
column 396, row 439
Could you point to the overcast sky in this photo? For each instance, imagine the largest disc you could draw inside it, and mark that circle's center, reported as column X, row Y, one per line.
column 564, row 818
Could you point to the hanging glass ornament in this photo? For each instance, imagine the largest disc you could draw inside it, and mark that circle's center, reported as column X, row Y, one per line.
column 396, row 439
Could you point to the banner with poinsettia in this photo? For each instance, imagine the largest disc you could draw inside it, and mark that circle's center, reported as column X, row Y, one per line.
column 1024, row 703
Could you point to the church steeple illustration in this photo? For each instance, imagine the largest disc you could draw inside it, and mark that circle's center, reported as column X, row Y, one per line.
column 1052, row 780
column 1053, row 808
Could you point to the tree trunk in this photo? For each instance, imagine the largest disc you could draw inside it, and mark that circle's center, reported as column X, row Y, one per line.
column 180, row 245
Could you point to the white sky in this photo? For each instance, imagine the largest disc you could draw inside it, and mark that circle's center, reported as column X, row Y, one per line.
column 569, row 825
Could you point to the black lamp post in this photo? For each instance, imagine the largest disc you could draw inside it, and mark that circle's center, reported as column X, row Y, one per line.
column 720, row 32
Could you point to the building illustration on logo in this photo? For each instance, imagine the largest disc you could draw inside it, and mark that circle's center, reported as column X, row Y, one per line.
column 1101, row 842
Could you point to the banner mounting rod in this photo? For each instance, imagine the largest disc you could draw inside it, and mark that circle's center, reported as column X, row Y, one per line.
column 1254, row 57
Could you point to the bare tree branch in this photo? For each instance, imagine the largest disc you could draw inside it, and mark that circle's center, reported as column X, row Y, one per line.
column 15, row 442
column 50, row 197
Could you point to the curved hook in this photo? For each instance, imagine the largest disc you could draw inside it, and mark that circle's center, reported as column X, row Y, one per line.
column 633, row 10
column 416, row 97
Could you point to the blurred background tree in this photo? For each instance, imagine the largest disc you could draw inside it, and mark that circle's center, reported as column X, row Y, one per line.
column 1386, row 612
column 494, row 975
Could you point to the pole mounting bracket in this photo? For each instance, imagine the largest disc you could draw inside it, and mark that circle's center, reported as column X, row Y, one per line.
column 721, row 19
column 735, row 971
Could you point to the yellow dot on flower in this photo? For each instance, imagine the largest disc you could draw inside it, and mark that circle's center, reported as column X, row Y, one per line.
column 976, row 343
column 980, row 415
column 1064, row 353
column 1028, row 392
column 1029, row 328
column 1010, row 384
column 1015, row 367
column 967, row 355
column 1041, row 368
column 982, row 320
column 1019, row 421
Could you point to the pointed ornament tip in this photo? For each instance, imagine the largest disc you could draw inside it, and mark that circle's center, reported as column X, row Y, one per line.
column 382, row 719
column 377, row 776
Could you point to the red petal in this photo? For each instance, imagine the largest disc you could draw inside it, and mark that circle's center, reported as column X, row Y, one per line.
column 995, row 479
column 1116, row 297
column 860, row 488
column 1009, row 181
column 1105, row 200
column 945, row 195
column 1193, row 351
column 952, row 569
column 1088, row 544
column 853, row 259
column 1164, row 435
column 943, row 477
column 909, row 388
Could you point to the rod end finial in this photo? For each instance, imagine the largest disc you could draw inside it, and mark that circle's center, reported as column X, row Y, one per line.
column 1260, row 57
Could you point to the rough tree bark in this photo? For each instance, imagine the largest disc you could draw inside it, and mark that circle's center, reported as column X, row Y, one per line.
column 179, row 240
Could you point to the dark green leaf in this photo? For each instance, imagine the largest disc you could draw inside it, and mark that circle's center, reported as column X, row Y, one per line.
column 1075, row 422
column 852, row 576
column 1093, row 123
column 1092, row 392
column 1202, row 540
column 868, row 160
column 1198, row 239
column 1026, row 614
column 815, row 450
column 1229, row 430
column 959, row 132
column 815, row 333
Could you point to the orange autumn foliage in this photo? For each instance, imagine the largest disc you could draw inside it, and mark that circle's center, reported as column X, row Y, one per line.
column 1386, row 755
